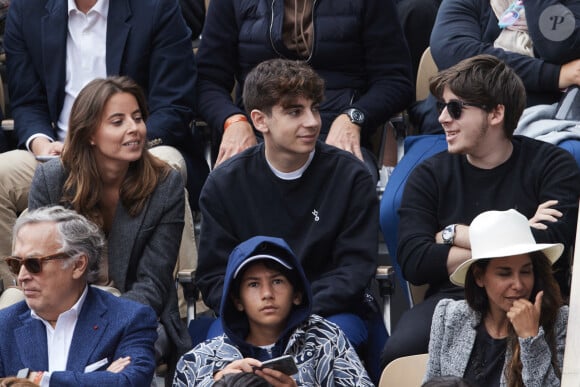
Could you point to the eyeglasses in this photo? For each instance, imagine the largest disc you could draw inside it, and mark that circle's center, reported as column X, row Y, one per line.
column 511, row 15
column 33, row 265
column 455, row 107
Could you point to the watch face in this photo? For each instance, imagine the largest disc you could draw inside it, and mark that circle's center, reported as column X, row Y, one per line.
column 356, row 116
column 448, row 234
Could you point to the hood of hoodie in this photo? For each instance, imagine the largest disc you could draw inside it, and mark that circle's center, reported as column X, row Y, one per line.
column 235, row 323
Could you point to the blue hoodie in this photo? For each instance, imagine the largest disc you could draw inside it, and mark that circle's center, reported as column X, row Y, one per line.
column 234, row 322
column 322, row 352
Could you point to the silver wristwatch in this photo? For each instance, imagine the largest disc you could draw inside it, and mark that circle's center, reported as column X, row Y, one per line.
column 448, row 234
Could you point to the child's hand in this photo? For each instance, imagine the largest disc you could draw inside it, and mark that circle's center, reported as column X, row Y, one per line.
column 276, row 378
column 246, row 364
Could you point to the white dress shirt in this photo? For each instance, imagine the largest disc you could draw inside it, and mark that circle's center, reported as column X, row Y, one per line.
column 59, row 338
column 86, row 46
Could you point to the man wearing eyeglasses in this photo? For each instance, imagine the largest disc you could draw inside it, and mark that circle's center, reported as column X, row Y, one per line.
column 485, row 168
column 66, row 332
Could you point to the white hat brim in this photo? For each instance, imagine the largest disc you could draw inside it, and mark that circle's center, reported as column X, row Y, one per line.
column 258, row 257
column 553, row 251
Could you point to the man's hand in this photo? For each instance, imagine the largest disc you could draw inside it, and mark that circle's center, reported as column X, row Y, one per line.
column 545, row 214
column 525, row 316
column 119, row 365
column 42, row 146
column 569, row 74
column 276, row 378
column 345, row 135
column 238, row 137
column 246, row 364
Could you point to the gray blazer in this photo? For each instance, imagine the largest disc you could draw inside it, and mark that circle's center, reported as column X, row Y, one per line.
column 142, row 250
column 453, row 334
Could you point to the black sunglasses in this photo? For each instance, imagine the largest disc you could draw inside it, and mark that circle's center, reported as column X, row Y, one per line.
column 455, row 107
column 33, row 265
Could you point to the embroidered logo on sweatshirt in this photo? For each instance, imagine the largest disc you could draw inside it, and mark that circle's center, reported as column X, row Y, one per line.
column 316, row 217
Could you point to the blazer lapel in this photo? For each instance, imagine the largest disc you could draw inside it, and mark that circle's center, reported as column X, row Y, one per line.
column 91, row 326
column 117, row 34
column 31, row 342
column 54, row 35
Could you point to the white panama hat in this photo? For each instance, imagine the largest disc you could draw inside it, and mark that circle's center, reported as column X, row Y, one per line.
column 497, row 234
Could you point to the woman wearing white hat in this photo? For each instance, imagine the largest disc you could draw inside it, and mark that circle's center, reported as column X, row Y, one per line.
column 511, row 328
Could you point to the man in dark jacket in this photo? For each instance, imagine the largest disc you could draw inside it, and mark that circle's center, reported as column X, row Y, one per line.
column 357, row 47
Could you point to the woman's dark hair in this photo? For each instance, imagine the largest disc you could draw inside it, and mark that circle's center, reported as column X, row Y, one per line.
column 12, row 381
column 544, row 280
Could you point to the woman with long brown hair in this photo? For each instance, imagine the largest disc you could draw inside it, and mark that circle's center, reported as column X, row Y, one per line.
column 511, row 328
column 107, row 174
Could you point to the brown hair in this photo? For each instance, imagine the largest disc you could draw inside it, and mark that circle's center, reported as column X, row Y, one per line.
column 484, row 80
column 83, row 187
column 12, row 381
column 281, row 81
column 544, row 280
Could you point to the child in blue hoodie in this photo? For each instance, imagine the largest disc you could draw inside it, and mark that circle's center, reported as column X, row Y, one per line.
column 266, row 313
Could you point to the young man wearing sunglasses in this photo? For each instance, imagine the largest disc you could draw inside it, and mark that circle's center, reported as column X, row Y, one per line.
column 485, row 168
column 66, row 332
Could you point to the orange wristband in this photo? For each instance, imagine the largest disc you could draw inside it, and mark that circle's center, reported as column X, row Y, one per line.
column 38, row 377
column 233, row 119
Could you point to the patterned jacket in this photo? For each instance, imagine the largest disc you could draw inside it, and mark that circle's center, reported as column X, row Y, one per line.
column 323, row 355
column 453, row 333
column 322, row 352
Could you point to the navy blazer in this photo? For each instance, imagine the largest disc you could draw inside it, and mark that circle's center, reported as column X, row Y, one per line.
column 146, row 40
column 108, row 327
column 142, row 250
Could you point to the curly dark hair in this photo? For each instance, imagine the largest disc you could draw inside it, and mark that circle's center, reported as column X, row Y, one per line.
column 281, row 81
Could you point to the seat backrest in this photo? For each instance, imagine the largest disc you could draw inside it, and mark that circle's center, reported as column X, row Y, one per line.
column 417, row 293
column 427, row 68
column 406, row 371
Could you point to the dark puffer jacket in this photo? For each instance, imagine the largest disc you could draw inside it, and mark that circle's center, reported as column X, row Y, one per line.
column 358, row 49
